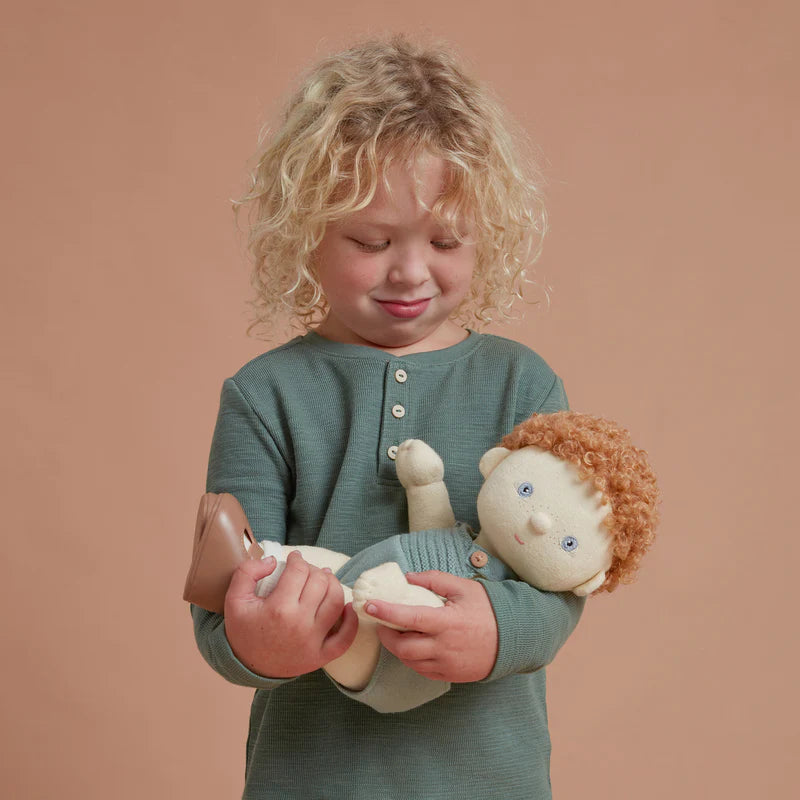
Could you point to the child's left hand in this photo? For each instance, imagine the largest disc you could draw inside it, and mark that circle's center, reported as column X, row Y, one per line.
column 456, row 643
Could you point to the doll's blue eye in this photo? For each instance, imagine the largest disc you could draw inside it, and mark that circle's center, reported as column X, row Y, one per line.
column 524, row 490
column 569, row 543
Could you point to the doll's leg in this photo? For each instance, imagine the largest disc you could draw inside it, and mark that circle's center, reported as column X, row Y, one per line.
column 421, row 471
column 387, row 582
column 317, row 556
column 353, row 669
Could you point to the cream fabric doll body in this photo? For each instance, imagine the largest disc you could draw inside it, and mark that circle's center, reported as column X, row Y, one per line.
column 549, row 520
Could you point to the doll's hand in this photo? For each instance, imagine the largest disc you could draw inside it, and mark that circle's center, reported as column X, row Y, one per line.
column 418, row 464
column 293, row 630
column 456, row 643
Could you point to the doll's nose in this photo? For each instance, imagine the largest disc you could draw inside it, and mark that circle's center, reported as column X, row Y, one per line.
column 540, row 522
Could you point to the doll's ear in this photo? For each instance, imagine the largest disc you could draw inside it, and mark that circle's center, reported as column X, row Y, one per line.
column 589, row 586
column 491, row 458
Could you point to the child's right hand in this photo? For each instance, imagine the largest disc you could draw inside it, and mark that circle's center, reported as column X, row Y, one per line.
column 293, row 630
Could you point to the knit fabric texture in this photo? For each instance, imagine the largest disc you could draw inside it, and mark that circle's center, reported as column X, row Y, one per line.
column 304, row 440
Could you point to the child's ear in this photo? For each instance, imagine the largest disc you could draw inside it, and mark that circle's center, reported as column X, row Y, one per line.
column 491, row 458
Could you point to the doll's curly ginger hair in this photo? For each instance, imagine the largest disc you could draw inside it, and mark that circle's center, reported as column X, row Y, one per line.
column 603, row 451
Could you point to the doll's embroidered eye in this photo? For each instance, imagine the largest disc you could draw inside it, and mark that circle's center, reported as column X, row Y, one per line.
column 569, row 543
column 524, row 490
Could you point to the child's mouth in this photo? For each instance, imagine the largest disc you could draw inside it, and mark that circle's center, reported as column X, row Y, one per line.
column 404, row 310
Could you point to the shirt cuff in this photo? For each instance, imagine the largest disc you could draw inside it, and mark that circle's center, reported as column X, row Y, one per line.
column 531, row 625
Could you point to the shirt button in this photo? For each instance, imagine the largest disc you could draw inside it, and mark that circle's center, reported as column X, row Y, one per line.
column 479, row 559
column 398, row 411
column 401, row 376
column 392, row 452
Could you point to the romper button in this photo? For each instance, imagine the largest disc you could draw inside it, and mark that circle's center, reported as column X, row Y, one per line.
column 398, row 411
column 479, row 559
column 401, row 376
column 392, row 452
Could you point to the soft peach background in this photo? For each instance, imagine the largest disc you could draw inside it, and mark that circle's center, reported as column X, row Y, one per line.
column 670, row 137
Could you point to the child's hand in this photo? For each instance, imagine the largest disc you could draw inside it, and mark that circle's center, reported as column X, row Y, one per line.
column 293, row 630
column 456, row 643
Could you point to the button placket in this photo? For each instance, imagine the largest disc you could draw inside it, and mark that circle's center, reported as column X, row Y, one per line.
column 395, row 411
column 398, row 409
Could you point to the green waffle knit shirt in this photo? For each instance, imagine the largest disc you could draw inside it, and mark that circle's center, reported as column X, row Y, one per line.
column 303, row 439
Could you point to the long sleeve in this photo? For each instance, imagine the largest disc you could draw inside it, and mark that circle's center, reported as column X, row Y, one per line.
column 304, row 439
column 245, row 461
column 532, row 625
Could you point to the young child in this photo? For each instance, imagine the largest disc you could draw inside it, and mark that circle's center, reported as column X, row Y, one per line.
column 388, row 209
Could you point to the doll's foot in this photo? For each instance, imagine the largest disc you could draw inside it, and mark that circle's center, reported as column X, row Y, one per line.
column 387, row 582
column 418, row 464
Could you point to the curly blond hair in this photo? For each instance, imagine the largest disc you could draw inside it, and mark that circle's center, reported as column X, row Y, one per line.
column 356, row 113
column 603, row 452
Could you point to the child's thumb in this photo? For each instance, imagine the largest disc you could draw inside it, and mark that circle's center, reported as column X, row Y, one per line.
column 247, row 575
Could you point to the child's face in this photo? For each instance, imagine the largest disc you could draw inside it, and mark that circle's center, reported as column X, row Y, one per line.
column 391, row 274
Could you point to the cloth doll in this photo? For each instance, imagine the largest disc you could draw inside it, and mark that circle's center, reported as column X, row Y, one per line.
column 568, row 504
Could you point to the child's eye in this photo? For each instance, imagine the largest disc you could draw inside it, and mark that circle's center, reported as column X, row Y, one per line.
column 525, row 490
column 569, row 543
column 446, row 244
column 370, row 247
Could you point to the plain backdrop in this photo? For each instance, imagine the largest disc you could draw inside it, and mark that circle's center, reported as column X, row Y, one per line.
column 668, row 134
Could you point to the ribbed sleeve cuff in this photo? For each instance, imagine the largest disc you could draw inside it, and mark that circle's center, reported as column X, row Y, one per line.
column 532, row 625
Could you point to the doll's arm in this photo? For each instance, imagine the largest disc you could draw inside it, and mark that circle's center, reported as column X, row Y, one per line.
column 421, row 471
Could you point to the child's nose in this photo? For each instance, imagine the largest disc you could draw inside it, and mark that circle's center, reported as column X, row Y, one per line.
column 409, row 267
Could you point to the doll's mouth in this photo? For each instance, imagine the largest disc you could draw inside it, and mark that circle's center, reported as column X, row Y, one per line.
column 516, row 536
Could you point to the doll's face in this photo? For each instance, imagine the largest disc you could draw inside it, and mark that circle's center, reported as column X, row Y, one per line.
column 543, row 520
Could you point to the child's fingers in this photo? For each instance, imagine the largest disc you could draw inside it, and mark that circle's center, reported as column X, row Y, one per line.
column 442, row 583
column 315, row 589
column 293, row 580
column 410, row 618
column 410, row 647
column 330, row 608
column 247, row 575
column 338, row 642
